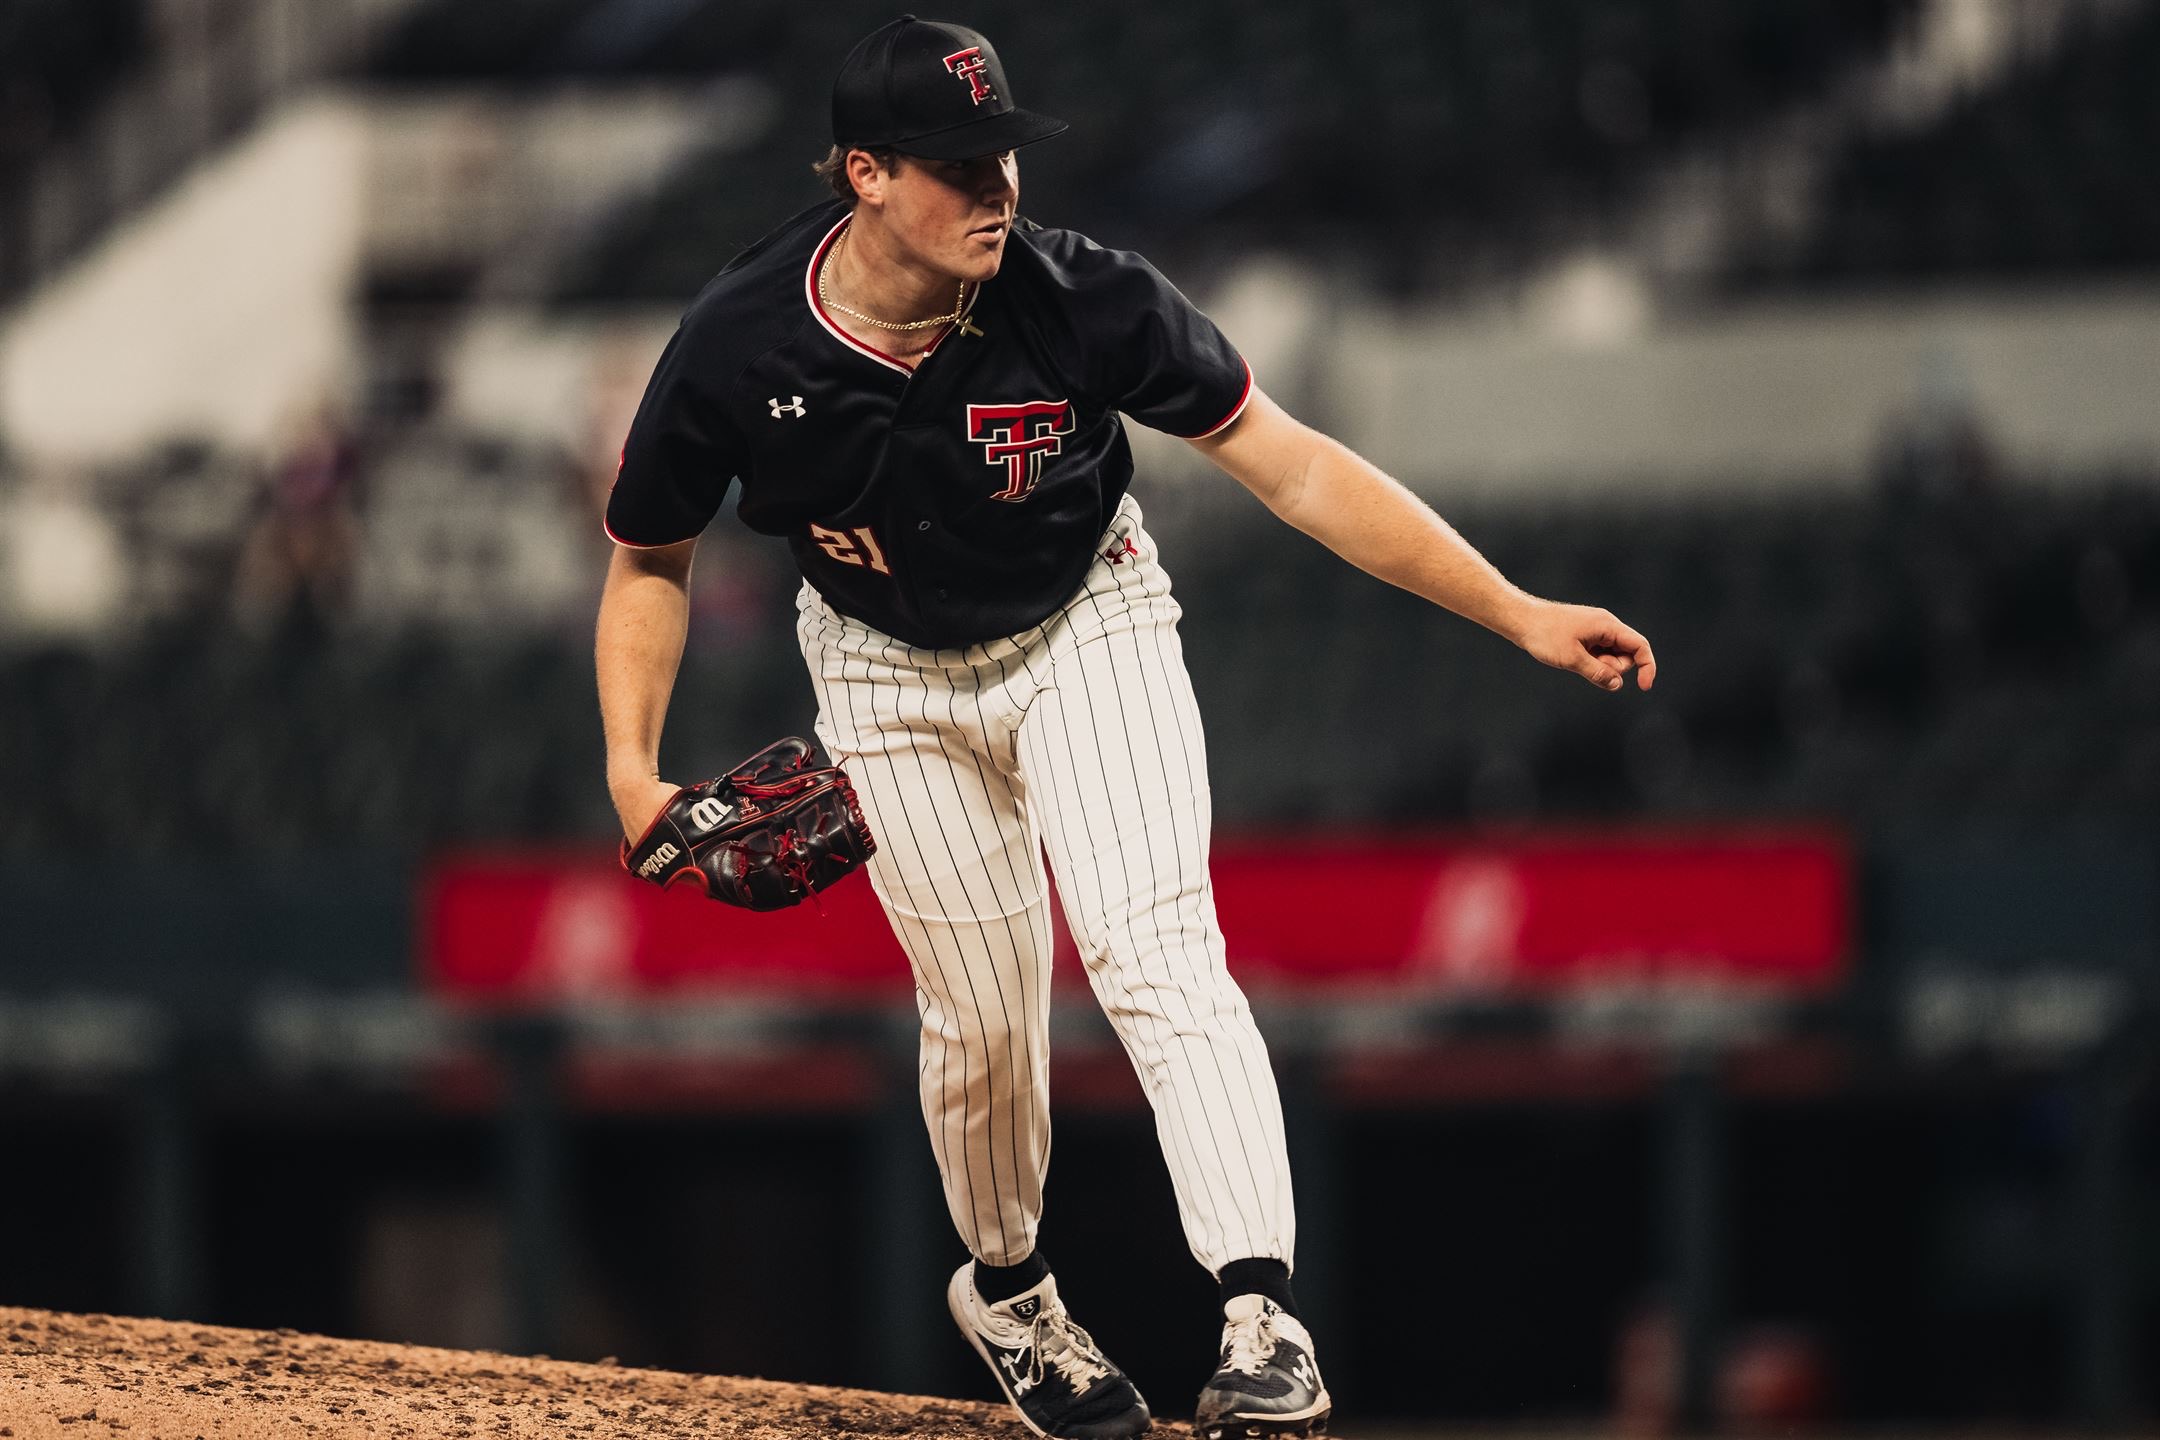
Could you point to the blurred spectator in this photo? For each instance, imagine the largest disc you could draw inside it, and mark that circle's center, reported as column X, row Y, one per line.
column 61, row 565
column 1935, row 453
column 296, row 566
column 737, row 591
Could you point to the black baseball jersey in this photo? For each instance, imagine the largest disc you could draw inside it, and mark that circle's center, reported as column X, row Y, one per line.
column 944, row 506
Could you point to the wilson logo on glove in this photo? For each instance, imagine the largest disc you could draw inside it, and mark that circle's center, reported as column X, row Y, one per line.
column 770, row 833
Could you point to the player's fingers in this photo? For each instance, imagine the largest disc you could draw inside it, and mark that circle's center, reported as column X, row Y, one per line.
column 1630, row 643
column 1597, row 669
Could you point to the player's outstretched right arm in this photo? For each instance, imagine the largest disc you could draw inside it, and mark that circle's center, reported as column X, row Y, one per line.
column 637, row 649
column 1340, row 499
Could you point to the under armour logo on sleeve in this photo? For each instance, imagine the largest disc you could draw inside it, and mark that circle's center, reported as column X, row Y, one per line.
column 793, row 407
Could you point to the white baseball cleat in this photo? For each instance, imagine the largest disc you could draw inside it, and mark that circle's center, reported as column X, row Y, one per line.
column 1268, row 1382
column 1048, row 1367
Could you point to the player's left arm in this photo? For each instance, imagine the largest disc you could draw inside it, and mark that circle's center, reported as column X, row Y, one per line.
column 1348, row 504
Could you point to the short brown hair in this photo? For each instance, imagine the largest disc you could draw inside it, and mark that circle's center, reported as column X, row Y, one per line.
column 833, row 168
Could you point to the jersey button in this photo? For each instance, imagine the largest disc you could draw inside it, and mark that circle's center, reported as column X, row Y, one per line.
column 922, row 525
column 944, row 594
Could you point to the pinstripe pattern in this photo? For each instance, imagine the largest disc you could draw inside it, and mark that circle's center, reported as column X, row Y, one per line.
column 1080, row 736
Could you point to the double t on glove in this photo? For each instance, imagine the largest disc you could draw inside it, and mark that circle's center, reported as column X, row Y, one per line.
column 768, row 834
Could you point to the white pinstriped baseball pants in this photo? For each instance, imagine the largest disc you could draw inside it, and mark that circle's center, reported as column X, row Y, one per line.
column 1080, row 733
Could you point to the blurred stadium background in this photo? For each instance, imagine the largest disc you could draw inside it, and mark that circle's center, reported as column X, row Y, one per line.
column 1767, row 1054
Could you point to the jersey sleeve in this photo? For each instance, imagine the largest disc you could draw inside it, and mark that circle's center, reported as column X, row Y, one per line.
column 680, row 455
column 1145, row 349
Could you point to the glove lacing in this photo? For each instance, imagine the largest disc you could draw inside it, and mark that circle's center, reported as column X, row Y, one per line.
column 794, row 860
column 1074, row 1357
column 1249, row 1344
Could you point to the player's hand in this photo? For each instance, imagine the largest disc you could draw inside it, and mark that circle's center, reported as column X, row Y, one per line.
column 638, row 800
column 1593, row 643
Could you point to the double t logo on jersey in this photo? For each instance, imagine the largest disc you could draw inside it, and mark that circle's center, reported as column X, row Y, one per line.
column 1019, row 437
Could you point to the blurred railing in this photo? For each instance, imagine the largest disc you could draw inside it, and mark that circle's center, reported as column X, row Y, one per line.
column 536, row 1092
column 1983, row 1075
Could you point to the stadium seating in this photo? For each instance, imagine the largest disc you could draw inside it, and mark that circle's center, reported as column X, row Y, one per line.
column 2048, row 172
column 1461, row 127
column 56, row 57
column 1993, row 659
column 1196, row 126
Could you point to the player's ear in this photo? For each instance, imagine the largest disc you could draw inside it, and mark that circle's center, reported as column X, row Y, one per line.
column 868, row 172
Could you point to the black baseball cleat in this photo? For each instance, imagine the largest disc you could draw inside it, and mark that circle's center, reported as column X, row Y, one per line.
column 1268, row 1382
column 1046, row 1365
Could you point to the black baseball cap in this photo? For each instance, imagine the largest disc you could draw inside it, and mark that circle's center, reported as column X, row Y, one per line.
column 930, row 88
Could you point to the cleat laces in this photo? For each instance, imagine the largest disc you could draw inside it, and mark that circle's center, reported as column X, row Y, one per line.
column 1248, row 1345
column 1069, row 1349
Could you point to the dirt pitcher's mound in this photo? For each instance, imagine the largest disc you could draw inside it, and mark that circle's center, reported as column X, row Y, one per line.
column 75, row 1377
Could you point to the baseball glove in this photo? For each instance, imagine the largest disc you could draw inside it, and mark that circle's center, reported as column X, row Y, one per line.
column 768, row 834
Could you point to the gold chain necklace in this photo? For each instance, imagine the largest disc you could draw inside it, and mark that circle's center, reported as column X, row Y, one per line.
column 959, row 301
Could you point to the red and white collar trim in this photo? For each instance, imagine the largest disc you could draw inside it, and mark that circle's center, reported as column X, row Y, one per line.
column 817, row 308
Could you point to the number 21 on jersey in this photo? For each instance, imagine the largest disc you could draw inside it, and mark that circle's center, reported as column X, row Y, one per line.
column 851, row 547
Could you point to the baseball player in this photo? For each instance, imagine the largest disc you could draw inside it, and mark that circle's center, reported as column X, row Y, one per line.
column 921, row 392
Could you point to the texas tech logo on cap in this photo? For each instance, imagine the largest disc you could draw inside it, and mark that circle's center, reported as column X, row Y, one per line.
column 932, row 89
column 969, row 65
column 1019, row 437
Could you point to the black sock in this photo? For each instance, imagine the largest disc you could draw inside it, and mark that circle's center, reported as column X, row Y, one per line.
column 1001, row 1282
column 1257, row 1277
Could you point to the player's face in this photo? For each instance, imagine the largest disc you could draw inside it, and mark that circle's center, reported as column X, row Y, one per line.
column 954, row 215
